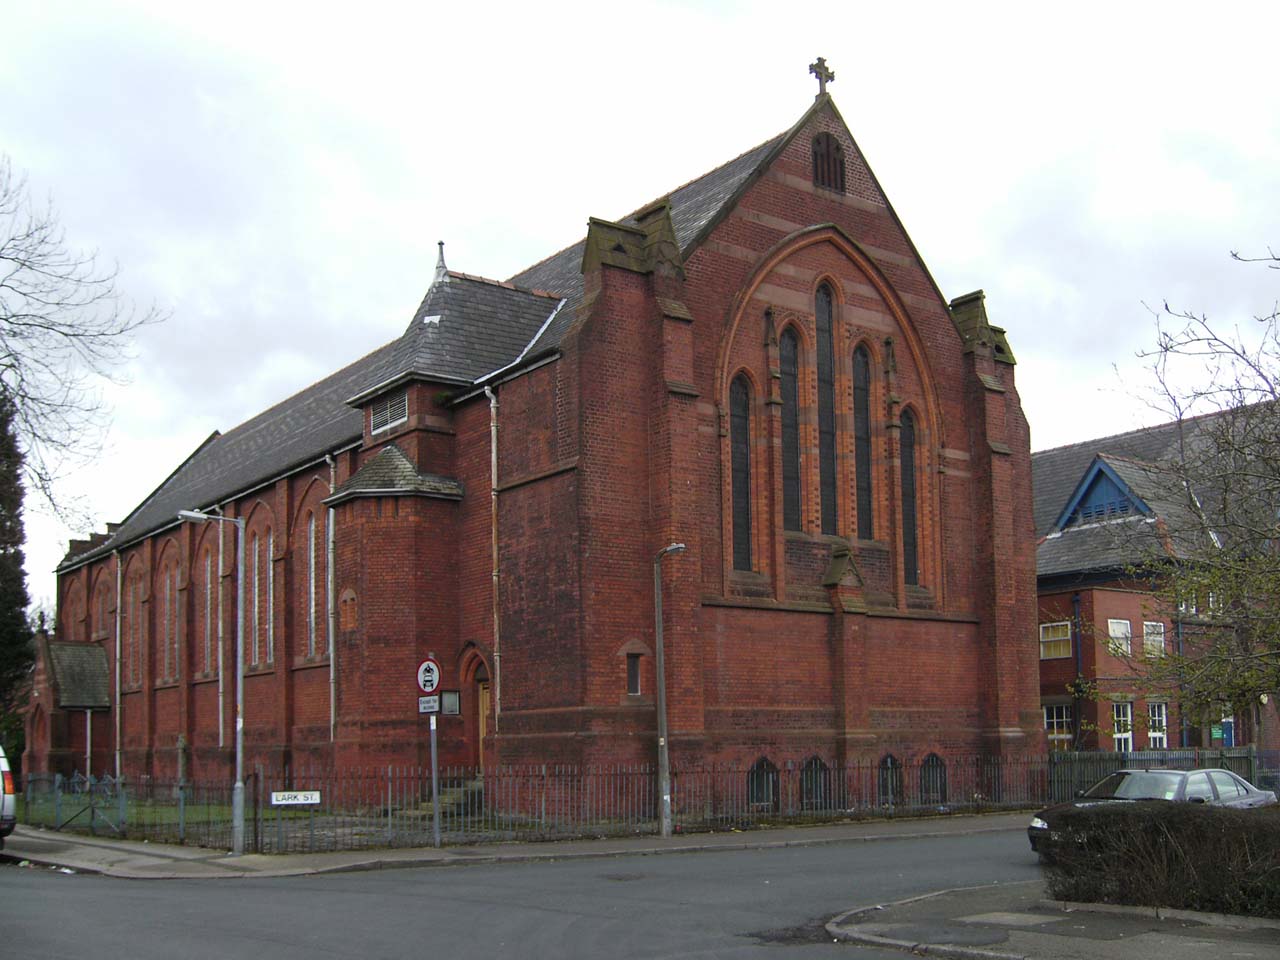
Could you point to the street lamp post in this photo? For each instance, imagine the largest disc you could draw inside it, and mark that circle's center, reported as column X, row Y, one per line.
column 664, row 760
column 237, row 791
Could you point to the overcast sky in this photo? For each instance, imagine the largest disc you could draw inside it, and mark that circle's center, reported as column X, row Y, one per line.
column 276, row 176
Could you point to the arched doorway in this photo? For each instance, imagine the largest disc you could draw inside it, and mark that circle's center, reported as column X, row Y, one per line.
column 479, row 707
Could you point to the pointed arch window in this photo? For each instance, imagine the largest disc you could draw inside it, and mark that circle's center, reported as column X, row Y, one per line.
column 206, row 620
column 169, row 639
column 907, row 454
column 740, row 467
column 311, row 585
column 762, row 785
column 271, row 599
column 933, row 780
column 862, row 440
column 826, row 409
column 789, row 357
column 135, row 631
column 255, row 628
column 828, row 162
column 889, row 781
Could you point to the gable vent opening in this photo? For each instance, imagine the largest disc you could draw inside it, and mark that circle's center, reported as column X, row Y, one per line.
column 386, row 412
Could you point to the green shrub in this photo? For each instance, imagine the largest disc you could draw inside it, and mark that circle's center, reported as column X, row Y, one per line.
column 1177, row 855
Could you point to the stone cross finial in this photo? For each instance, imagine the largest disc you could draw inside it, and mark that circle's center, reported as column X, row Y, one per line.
column 819, row 69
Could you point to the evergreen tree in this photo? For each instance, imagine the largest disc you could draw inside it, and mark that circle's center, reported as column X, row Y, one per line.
column 17, row 649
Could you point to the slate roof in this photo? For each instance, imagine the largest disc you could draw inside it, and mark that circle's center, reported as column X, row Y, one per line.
column 389, row 470
column 81, row 675
column 466, row 327
column 483, row 327
column 695, row 208
column 1137, row 458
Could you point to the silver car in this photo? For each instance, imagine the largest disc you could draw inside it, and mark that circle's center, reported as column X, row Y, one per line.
column 8, row 799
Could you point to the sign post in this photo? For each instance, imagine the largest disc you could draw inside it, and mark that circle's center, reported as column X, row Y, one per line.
column 435, row 786
column 428, row 683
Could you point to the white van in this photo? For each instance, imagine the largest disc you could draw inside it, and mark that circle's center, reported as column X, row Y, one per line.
column 8, row 800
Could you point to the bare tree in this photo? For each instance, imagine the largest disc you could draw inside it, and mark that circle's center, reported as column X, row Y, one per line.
column 1218, row 574
column 64, row 330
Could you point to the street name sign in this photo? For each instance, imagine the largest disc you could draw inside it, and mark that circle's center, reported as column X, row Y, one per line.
column 294, row 798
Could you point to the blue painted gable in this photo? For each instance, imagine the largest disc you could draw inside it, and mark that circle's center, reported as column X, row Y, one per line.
column 1100, row 495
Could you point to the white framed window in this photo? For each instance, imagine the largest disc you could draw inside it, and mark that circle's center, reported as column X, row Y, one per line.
column 1119, row 634
column 1055, row 640
column 1057, row 725
column 1122, row 726
column 386, row 412
column 1152, row 638
column 1157, row 726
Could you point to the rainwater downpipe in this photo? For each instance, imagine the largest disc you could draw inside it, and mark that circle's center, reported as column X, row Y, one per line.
column 119, row 705
column 222, row 692
column 329, row 605
column 493, row 536
column 1182, row 719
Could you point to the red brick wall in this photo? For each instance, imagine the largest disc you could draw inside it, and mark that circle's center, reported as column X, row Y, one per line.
column 612, row 451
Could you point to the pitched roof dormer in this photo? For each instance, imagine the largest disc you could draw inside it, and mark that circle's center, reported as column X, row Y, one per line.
column 1102, row 494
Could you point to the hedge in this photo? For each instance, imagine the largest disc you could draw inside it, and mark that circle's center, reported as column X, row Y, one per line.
column 1177, row 855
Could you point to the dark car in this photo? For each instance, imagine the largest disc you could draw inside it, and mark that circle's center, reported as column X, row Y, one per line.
column 1217, row 787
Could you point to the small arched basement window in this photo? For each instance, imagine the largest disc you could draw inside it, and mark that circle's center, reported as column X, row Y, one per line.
column 828, row 163
column 762, row 785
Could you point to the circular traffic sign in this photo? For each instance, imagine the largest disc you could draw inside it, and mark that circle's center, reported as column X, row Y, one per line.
column 428, row 675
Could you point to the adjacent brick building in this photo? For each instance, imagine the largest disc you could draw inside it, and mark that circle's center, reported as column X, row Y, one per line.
column 1105, row 510
column 758, row 365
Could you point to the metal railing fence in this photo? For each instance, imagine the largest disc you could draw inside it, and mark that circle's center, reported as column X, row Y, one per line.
column 393, row 806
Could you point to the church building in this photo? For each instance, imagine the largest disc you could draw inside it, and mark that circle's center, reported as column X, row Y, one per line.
column 747, row 404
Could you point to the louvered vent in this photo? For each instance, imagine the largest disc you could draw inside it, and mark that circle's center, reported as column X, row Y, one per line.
column 388, row 411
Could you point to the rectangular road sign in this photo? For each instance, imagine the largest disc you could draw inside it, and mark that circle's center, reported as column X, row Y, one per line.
column 429, row 704
column 293, row 798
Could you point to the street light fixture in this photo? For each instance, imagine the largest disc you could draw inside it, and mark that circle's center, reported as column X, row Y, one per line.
column 664, row 760
column 237, row 791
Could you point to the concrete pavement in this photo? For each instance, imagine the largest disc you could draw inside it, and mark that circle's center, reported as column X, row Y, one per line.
column 996, row 922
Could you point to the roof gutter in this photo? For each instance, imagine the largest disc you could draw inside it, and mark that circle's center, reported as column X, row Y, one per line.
column 404, row 377
column 484, row 383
